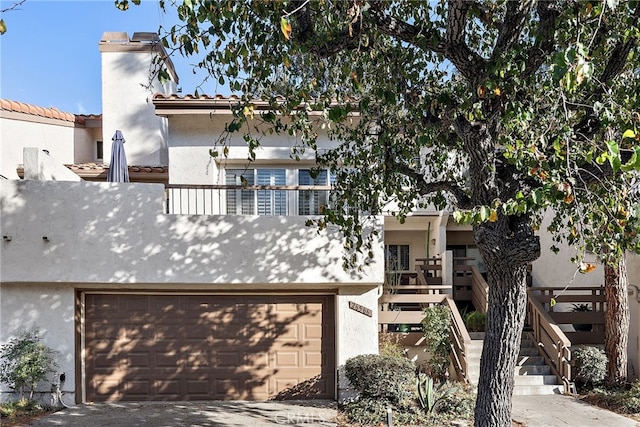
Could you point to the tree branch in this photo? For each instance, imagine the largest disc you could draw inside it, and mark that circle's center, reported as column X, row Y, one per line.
column 620, row 53
column 544, row 43
column 590, row 124
column 469, row 64
column 408, row 33
column 514, row 22
column 15, row 5
column 425, row 188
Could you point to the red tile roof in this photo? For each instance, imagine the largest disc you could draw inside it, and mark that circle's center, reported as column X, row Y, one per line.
column 99, row 167
column 190, row 96
column 50, row 113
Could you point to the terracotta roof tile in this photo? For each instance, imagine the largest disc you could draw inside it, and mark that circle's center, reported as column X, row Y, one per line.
column 51, row 113
column 97, row 167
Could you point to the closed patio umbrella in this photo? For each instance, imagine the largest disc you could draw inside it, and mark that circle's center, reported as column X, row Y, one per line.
column 118, row 169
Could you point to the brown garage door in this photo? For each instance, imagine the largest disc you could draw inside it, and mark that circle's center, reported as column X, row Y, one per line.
column 201, row 347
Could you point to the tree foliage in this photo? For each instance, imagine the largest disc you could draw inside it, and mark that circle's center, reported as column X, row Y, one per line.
column 496, row 110
column 27, row 361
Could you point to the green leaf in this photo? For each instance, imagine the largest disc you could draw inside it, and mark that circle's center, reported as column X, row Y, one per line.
column 537, row 196
column 629, row 133
column 485, row 213
column 634, row 161
column 614, row 155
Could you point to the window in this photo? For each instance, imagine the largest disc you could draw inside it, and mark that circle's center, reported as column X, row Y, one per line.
column 396, row 257
column 240, row 202
column 99, row 150
column 277, row 201
column 312, row 202
column 256, row 202
column 271, row 202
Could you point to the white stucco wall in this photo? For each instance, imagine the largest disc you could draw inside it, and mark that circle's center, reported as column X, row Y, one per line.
column 56, row 136
column 192, row 136
column 357, row 333
column 50, row 308
column 127, row 106
column 116, row 233
column 85, row 144
column 553, row 269
column 633, row 269
column 41, row 166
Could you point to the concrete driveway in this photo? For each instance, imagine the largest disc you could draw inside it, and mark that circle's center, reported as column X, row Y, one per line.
column 210, row 413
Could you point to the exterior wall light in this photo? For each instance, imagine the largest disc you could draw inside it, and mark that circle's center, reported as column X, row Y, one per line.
column 7, row 238
column 45, row 239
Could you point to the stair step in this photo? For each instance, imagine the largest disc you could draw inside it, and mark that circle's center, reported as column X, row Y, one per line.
column 533, row 370
column 530, row 360
column 526, row 343
column 535, row 380
column 537, row 390
column 528, row 351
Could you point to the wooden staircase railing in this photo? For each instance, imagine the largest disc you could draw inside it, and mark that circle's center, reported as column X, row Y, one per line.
column 407, row 308
column 479, row 291
column 460, row 342
column 553, row 344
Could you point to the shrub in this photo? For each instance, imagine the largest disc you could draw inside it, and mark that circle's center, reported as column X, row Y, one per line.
column 460, row 402
column 436, row 325
column 26, row 362
column 590, row 364
column 382, row 377
column 619, row 400
column 475, row 321
column 20, row 408
column 389, row 344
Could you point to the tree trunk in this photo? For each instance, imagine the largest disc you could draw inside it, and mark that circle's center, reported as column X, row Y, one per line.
column 507, row 249
column 616, row 321
column 505, row 320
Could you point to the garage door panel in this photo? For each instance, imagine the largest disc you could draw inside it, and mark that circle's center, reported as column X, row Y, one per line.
column 135, row 388
column 167, row 360
column 201, row 347
column 312, row 359
column 139, row 359
column 312, row 332
column 286, row 359
column 167, row 388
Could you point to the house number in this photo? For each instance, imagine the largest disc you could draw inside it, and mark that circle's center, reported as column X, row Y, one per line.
column 360, row 309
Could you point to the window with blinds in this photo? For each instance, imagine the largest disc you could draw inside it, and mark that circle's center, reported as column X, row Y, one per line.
column 271, row 202
column 240, row 202
column 312, row 202
column 277, row 202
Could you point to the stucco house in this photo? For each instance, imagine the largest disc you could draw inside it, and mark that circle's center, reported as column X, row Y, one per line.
column 183, row 284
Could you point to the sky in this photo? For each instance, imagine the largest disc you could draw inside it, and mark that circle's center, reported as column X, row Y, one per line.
column 49, row 55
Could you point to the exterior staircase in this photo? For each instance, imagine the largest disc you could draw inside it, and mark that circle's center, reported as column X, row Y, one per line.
column 532, row 375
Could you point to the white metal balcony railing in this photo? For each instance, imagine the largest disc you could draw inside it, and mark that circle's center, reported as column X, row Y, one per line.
column 266, row 200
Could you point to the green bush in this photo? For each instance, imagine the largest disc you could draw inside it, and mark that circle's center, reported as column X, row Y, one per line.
column 475, row 321
column 26, row 361
column 19, row 408
column 590, row 364
column 459, row 403
column 622, row 401
column 389, row 344
column 387, row 378
column 436, row 325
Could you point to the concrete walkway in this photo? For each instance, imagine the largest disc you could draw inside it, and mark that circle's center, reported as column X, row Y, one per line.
column 528, row 411
column 215, row 413
column 560, row 411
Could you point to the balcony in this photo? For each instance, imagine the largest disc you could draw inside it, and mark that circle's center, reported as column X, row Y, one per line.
column 263, row 200
column 119, row 233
